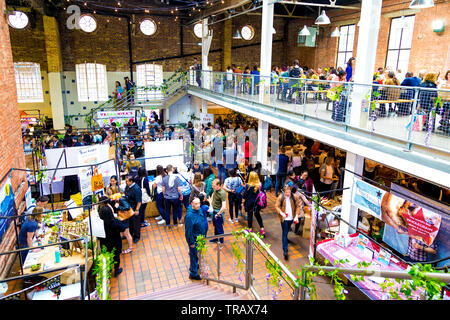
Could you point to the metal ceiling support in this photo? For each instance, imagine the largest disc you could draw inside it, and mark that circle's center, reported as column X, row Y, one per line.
column 316, row 4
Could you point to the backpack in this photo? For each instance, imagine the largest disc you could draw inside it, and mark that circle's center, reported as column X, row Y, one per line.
column 267, row 183
column 261, row 199
column 294, row 73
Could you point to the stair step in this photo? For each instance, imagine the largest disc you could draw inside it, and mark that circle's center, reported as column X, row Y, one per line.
column 193, row 291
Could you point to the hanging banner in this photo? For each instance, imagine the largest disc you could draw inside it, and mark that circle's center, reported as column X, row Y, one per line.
column 403, row 215
column 7, row 205
column 105, row 118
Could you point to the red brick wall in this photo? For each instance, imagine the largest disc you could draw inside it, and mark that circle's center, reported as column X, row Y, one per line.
column 11, row 155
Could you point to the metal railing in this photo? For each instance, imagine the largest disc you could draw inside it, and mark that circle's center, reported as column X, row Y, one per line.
column 410, row 115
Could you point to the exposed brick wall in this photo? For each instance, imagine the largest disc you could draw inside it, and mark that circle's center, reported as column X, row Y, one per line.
column 11, row 155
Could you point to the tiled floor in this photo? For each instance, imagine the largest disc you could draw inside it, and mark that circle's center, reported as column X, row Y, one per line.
column 160, row 260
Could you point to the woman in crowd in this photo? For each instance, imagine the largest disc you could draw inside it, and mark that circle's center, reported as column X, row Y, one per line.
column 288, row 208
column 198, row 186
column 28, row 231
column 388, row 93
column 208, row 177
column 113, row 188
column 157, row 185
column 349, row 69
column 296, row 160
column 143, row 183
column 119, row 91
column 113, row 228
column 327, row 175
column 427, row 98
column 122, row 205
column 250, row 202
column 186, row 181
column 231, row 184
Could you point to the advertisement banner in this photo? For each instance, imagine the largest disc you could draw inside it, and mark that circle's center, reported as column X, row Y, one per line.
column 407, row 215
column 205, row 118
column 434, row 230
column 105, row 118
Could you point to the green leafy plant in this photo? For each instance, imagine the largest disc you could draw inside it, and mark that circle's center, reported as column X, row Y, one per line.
column 105, row 260
column 202, row 249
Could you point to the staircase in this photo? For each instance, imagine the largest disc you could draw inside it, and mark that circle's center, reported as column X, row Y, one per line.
column 193, row 291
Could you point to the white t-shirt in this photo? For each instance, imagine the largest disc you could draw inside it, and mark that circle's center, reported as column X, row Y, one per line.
column 158, row 181
column 288, row 209
column 229, row 75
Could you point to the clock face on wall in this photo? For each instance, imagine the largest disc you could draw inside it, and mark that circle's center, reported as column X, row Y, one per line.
column 247, row 32
column 148, row 27
column 198, row 28
column 18, row 20
column 87, row 23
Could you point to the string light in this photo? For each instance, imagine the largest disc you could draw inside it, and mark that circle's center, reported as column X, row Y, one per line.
column 85, row 4
column 95, row 12
column 147, row 11
column 115, row 10
column 118, row 3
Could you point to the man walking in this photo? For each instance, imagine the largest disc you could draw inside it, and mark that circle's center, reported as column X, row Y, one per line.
column 283, row 162
column 134, row 197
column 194, row 226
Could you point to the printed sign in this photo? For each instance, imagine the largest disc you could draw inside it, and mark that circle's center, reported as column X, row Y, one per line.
column 105, row 118
column 7, row 205
column 384, row 257
column 362, row 242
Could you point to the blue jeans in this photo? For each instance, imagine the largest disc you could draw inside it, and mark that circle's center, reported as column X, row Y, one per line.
column 173, row 205
column 234, row 204
column 279, row 182
column 218, row 226
column 142, row 212
column 222, row 172
column 285, row 227
column 186, row 201
column 193, row 258
column 160, row 204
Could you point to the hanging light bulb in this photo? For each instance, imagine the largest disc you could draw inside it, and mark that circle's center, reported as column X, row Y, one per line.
column 323, row 19
column 421, row 4
column 118, row 3
column 336, row 33
column 147, row 11
column 304, row 32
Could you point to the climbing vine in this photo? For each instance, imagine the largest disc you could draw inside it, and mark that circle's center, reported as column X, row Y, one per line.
column 98, row 270
column 201, row 248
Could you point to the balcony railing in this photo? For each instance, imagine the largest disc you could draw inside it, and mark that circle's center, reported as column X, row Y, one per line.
column 413, row 115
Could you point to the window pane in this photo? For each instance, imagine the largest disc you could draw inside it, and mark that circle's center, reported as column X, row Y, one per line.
column 394, row 38
column 91, row 82
column 407, row 32
column 28, row 82
column 403, row 60
column 391, row 60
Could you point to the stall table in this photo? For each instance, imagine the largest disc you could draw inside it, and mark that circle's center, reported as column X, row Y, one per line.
column 333, row 252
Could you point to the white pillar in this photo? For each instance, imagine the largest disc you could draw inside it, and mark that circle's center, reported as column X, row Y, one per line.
column 263, row 141
column 266, row 51
column 54, row 79
column 365, row 58
column 349, row 213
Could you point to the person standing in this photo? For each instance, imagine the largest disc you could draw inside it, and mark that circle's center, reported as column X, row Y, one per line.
column 231, row 184
column 129, row 85
column 198, row 186
column 283, row 161
column 186, row 181
column 28, row 231
column 134, row 197
column 251, row 204
column 288, row 209
column 171, row 186
column 349, row 69
column 327, row 175
column 160, row 174
column 145, row 188
column 194, row 226
column 197, row 68
column 218, row 202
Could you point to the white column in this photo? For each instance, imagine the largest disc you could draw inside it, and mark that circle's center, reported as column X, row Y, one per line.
column 349, row 213
column 263, row 140
column 266, row 51
column 365, row 58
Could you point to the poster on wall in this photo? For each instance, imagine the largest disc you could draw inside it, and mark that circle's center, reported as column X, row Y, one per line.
column 406, row 216
column 205, row 118
column 429, row 223
column 105, row 118
column 7, row 206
